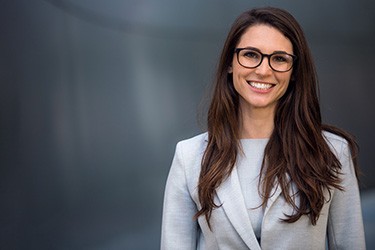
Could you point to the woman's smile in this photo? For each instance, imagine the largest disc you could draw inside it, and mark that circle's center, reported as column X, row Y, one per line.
column 261, row 85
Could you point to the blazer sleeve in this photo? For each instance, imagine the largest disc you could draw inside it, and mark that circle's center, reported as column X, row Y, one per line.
column 345, row 224
column 179, row 229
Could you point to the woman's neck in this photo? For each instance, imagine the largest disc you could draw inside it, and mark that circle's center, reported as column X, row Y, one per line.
column 256, row 123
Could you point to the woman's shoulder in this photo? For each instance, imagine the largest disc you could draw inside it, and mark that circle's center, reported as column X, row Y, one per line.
column 336, row 142
column 197, row 139
column 190, row 151
column 334, row 138
column 194, row 146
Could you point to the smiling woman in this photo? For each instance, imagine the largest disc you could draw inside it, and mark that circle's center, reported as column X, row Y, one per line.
column 259, row 86
column 268, row 174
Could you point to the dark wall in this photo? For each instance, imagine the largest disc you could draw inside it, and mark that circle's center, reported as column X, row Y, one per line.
column 95, row 95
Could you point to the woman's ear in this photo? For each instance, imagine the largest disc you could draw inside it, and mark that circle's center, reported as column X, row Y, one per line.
column 230, row 69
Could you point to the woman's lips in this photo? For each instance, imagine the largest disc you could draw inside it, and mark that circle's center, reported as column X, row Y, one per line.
column 260, row 85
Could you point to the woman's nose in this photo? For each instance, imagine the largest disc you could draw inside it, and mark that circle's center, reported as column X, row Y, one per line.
column 264, row 68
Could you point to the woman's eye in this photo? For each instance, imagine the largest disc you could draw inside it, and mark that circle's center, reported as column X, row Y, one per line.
column 279, row 58
column 251, row 54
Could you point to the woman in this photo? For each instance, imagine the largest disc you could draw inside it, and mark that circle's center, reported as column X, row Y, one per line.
column 267, row 174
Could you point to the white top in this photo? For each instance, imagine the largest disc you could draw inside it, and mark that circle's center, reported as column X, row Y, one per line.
column 248, row 168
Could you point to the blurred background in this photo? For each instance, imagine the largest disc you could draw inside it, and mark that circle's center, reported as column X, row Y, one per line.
column 95, row 95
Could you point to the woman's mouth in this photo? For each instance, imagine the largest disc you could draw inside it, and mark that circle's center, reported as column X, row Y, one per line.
column 260, row 85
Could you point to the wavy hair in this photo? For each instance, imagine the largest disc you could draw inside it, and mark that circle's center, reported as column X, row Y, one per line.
column 296, row 148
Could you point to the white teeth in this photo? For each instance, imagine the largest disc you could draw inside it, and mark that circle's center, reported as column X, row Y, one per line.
column 259, row 85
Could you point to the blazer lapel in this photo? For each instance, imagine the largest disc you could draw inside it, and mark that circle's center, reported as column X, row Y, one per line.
column 231, row 198
column 276, row 191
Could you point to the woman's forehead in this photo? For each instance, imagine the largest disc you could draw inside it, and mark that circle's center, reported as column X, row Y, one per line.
column 265, row 38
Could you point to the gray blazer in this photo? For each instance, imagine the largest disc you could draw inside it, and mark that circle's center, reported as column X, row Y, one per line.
column 339, row 226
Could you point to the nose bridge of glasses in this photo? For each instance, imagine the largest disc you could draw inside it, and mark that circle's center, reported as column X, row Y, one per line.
column 268, row 57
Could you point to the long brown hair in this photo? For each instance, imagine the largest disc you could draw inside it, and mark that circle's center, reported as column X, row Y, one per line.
column 296, row 148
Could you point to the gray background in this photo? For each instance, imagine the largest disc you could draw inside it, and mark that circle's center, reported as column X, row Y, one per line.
column 95, row 94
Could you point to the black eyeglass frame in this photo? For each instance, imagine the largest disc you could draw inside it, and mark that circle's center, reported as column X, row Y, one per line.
column 237, row 50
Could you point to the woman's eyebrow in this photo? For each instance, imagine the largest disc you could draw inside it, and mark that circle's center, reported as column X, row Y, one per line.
column 252, row 48
column 281, row 52
column 276, row 51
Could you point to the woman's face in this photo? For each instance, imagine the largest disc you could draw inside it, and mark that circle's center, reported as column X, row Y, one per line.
column 260, row 88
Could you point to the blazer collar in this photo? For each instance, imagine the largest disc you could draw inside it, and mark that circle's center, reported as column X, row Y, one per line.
column 275, row 193
column 231, row 198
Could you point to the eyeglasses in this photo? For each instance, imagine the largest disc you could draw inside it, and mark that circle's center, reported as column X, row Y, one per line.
column 278, row 61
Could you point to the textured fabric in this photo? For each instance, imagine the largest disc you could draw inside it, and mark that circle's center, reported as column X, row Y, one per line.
column 340, row 219
column 248, row 165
